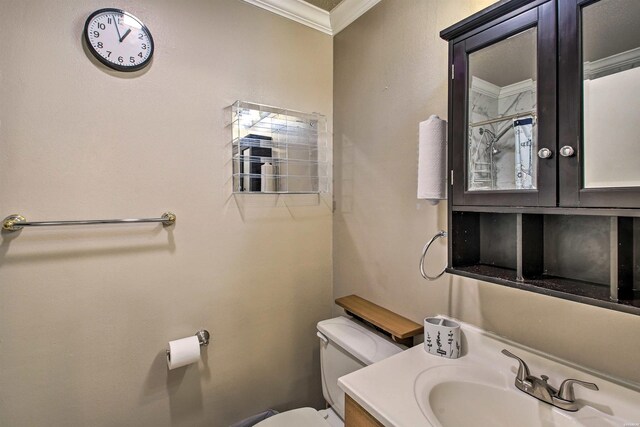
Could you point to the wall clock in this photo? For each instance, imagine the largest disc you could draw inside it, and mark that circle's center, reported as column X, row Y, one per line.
column 118, row 39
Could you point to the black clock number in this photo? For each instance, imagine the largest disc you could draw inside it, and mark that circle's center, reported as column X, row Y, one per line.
column 101, row 26
column 144, row 46
column 108, row 53
column 120, row 59
column 109, row 21
column 96, row 34
column 132, row 59
column 140, row 54
column 140, row 36
column 100, row 45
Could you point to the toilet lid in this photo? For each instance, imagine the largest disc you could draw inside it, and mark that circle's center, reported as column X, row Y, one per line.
column 307, row 417
column 362, row 343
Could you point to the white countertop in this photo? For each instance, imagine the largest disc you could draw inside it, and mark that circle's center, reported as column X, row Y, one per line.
column 386, row 388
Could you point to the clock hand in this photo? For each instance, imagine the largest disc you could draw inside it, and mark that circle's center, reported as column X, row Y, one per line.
column 125, row 35
column 117, row 29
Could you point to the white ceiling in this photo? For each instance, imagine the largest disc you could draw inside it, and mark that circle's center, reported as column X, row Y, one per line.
column 610, row 27
column 508, row 61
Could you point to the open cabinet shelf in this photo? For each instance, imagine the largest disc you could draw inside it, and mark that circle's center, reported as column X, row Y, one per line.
column 552, row 255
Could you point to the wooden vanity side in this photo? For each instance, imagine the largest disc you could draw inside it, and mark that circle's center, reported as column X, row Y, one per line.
column 356, row 416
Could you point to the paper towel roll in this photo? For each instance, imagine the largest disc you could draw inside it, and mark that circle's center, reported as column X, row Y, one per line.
column 432, row 160
column 183, row 352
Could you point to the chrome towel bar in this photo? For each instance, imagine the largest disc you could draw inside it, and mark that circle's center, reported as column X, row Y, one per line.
column 439, row 234
column 17, row 222
column 505, row 118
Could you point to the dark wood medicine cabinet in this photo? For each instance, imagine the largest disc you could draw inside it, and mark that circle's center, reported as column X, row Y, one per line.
column 544, row 155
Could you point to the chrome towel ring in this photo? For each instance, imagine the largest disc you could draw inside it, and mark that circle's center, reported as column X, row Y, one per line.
column 439, row 234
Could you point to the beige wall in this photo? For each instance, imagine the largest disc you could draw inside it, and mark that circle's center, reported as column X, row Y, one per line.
column 85, row 313
column 390, row 72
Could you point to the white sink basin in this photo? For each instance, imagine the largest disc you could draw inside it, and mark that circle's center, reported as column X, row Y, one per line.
column 457, row 395
column 415, row 388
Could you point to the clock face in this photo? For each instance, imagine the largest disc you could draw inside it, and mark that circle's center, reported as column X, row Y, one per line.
column 118, row 39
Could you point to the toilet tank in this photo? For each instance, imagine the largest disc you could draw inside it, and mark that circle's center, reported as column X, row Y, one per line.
column 345, row 347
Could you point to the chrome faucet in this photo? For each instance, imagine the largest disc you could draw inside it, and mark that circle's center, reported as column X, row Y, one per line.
column 563, row 398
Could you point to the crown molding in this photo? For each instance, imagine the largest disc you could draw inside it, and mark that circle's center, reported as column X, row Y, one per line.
column 517, row 88
column 319, row 19
column 485, row 88
column 348, row 11
column 299, row 11
column 611, row 64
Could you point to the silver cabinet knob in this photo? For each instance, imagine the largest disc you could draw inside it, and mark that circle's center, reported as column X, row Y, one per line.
column 545, row 153
column 567, row 151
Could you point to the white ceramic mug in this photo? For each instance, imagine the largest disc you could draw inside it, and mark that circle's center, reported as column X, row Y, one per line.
column 442, row 337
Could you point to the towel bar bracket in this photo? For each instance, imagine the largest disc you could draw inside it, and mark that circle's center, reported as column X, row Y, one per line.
column 11, row 223
column 169, row 219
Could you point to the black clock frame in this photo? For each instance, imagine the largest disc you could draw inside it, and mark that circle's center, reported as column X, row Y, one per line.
column 109, row 63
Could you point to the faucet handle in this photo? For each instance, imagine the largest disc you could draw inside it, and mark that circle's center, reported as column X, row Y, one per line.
column 523, row 369
column 566, row 389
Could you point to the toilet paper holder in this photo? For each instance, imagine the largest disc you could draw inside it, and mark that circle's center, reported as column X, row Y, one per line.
column 203, row 338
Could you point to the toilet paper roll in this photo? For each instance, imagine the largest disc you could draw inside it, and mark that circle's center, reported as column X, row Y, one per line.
column 183, row 352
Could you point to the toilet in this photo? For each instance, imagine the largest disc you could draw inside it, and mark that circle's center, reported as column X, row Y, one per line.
column 345, row 347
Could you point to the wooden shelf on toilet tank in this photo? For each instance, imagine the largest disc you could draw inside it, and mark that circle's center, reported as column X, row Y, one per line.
column 401, row 329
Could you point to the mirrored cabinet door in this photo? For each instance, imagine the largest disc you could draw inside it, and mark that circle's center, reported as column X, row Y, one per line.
column 600, row 144
column 502, row 117
column 504, row 84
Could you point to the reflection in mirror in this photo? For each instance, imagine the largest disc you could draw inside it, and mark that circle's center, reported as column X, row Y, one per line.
column 502, row 130
column 611, row 93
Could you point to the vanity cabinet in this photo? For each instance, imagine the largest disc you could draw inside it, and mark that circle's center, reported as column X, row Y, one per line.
column 544, row 155
column 357, row 416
